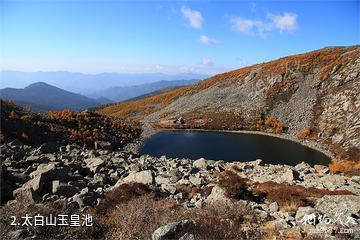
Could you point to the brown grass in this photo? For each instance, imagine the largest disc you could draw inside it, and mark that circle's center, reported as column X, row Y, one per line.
column 235, row 187
column 292, row 195
column 134, row 212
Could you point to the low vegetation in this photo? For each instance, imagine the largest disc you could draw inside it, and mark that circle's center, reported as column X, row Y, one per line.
column 304, row 133
column 347, row 167
column 133, row 212
column 63, row 127
column 292, row 196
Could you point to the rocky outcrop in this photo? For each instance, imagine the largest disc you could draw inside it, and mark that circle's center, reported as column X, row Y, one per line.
column 82, row 177
column 169, row 231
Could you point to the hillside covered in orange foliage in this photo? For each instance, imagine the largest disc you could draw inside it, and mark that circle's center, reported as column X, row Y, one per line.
column 311, row 97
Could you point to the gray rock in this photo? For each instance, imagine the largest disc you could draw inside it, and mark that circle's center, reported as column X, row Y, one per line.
column 94, row 164
column 18, row 234
column 144, row 177
column 169, row 231
column 304, row 168
column 49, row 147
column 169, row 188
column 274, row 207
column 37, row 159
column 162, row 180
column 15, row 143
column 187, row 236
column 199, row 203
column 197, row 181
column 37, row 183
column 200, row 163
column 51, row 172
column 321, row 169
column 218, row 195
column 333, row 205
column 288, row 176
column 103, row 145
column 179, row 196
column 85, row 200
column 63, row 189
column 302, row 211
column 26, row 194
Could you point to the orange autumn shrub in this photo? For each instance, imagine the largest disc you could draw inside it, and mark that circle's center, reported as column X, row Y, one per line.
column 276, row 125
column 346, row 167
column 304, row 133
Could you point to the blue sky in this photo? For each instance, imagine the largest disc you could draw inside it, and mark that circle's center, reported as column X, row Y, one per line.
column 167, row 36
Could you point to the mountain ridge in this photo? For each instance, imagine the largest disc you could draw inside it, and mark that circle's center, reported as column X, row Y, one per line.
column 42, row 96
column 310, row 96
column 87, row 83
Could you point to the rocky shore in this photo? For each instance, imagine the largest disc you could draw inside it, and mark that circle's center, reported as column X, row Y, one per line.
column 82, row 177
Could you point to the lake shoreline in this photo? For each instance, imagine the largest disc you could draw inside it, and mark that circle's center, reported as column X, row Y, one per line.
column 134, row 147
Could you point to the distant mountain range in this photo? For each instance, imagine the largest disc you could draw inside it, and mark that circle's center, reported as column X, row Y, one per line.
column 41, row 96
column 118, row 94
column 87, row 83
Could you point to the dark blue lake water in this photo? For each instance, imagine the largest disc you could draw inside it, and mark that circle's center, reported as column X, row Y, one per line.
column 230, row 147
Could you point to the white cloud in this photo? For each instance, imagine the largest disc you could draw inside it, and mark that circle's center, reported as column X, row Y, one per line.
column 250, row 26
column 206, row 40
column 255, row 27
column 285, row 22
column 207, row 62
column 194, row 17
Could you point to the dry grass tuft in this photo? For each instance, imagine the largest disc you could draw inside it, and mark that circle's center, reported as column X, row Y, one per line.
column 290, row 206
column 236, row 187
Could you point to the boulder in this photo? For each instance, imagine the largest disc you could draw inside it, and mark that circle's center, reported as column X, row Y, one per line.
column 304, row 168
column 274, row 207
column 217, row 195
column 103, row 145
column 162, row 180
column 179, row 120
column 333, row 205
column 169, row 188
column 94, row 164
column 51, row 172
column 200, row 163
column 18, row 234
column 15, row 143
column 63, row 189
column 84, row 200
column 302, row 211
column 37, row 159
column 288, row 176
column 144, row 177
column 197, row 181
column 26, row 194
column 321, row 169
column 170, row 230
column 37, row 183
column 49, row 147
column 187, row 236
